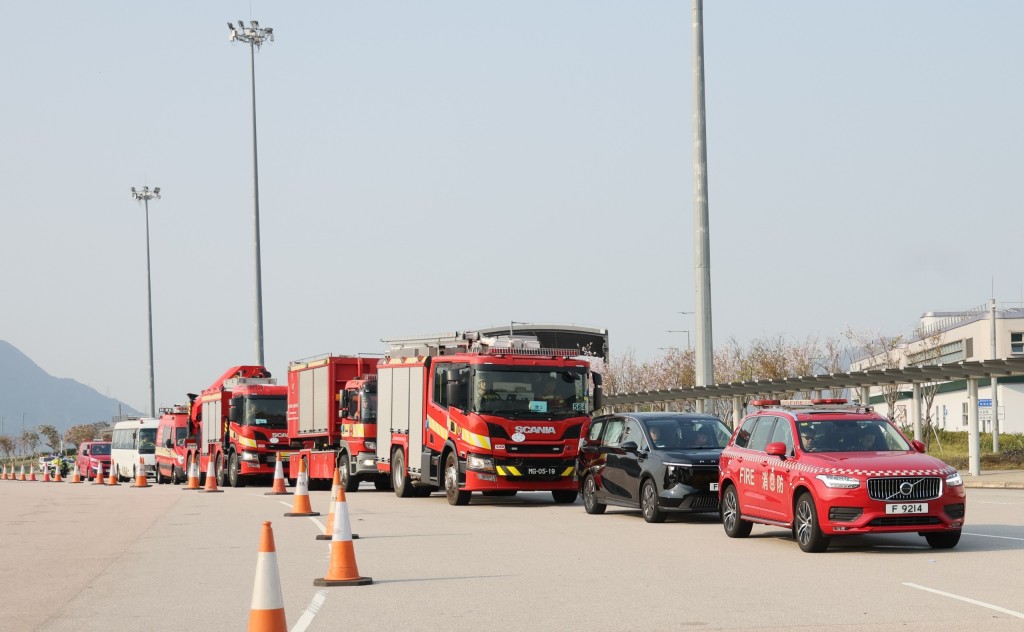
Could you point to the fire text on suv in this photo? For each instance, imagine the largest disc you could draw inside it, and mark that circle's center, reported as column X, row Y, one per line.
column 826, row 468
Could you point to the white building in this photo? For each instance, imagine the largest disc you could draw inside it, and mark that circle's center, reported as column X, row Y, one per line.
column 950, row 337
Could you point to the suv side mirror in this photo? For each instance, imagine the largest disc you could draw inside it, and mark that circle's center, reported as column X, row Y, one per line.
column 918, row 446
column 776, row 449
column 630, row 446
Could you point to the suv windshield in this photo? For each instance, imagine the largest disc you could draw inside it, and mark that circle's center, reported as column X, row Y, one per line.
column 530, row 390
column 688, row 434
column 862, row 435
column 265, row 411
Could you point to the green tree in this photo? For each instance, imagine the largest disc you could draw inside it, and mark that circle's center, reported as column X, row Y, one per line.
column 7, row 446
column 82, row 432
column 30, row 441
column 52, row 437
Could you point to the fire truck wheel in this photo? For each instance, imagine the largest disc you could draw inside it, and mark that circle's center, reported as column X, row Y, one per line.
column 590, row 501
column 220, row 471
column 425, row 492
column 455, row 495
column 234, row 478
column 402, row 483
column 806, row 528
column 565, row 496
column 348, row 482
column 735, row 527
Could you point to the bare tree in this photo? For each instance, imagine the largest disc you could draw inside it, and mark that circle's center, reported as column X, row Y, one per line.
column 30, row 441
column 883, row 352
column 929, row 354
column 7, row 446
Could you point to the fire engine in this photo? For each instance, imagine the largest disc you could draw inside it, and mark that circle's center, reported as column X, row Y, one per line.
column 481, row 412
column 240, row 423
column 332, row 419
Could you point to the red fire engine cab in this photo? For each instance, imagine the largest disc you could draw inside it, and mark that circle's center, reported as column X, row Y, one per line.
column 241, row 426
column 479, row 412
column 332, row 419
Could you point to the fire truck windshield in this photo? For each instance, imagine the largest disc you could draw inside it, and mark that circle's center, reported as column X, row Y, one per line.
column 522, row 391
column 265, row 412
column 368, row 409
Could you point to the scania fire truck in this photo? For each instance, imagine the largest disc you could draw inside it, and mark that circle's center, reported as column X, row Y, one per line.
column 486, row 411
column 240, row 424
column 332, row 419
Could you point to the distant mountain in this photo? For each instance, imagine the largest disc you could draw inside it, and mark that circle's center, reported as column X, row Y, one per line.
column 43, row 399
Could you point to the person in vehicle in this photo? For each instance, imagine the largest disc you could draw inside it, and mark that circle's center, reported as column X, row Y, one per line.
column 484, row 391
column 872, row 440
column 704, row 438
column 807, row 437
column 656, row 437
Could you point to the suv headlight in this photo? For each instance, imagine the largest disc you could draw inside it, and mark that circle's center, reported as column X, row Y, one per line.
column 479, row 463
column 834, row 481
column 954, row 480
column 675, row 473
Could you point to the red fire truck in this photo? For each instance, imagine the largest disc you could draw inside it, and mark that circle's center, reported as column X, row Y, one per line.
column 240, row 423
column 482, row 412
column 332, row 419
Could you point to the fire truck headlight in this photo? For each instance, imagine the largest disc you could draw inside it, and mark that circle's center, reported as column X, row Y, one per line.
column 479, row 463
column 954, row 480
column 370, row 445
column 181, row 459
column 249, row 456
column 833, row 481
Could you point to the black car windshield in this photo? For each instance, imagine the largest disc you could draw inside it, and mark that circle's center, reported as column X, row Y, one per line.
column 525, row 390
column 100, row 449
column 862, row 435
column 266, row 412
column 682, row 433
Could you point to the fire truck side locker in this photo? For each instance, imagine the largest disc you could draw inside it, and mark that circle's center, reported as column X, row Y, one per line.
column 400, row 410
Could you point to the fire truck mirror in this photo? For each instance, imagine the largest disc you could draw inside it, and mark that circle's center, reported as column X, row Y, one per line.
column 234, row 410
column 169, row 443
column 598, row 392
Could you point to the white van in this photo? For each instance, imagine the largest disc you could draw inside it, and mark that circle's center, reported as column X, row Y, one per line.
column 134, row 439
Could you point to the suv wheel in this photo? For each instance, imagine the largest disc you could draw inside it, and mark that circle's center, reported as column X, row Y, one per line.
column 735, row 527
column 943, row 539
column 649, row 502
column 590, row 501
column 805, row 527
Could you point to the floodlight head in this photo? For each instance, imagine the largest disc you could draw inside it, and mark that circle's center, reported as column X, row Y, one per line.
column 133, row 190
column 269, row 31
column 231, row 26
column 156, row 191
column 241, row 25
column 254, row 23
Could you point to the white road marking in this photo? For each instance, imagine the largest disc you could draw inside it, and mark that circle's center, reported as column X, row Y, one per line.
column 1001, row 537
column 1012, row 613
column 311, row 611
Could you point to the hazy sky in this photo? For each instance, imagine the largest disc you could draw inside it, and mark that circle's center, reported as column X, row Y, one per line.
column 445, row 165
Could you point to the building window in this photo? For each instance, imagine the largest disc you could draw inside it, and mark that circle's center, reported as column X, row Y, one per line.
column 1017, row 342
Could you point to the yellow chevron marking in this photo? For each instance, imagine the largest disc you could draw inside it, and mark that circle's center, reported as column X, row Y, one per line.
column 568, row 471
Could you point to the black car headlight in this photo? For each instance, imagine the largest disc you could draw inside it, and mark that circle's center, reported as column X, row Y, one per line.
column 677, row 474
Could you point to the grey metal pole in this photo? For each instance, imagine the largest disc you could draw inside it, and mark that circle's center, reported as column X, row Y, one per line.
column 149, row 308
column 145, row 195
column 995, row 384
column 915, row 411
column 973, row 440
column 256, row 212
column 702, row 245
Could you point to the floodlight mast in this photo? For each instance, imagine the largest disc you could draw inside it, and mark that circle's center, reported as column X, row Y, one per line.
column 144, row 196
column 254, row 36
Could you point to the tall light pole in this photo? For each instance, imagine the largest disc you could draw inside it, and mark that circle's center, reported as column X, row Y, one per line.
column 254, row 36
column 702, row 242
column 144, row 196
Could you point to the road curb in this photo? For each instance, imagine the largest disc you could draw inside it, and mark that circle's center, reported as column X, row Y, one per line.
column 993, row 485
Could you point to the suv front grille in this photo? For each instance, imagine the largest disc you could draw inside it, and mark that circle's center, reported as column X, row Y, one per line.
column 898, row 489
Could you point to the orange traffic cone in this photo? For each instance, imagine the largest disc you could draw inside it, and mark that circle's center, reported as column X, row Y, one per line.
column 211, row 478
column 112, row 480
column 77, row 476
column 99, row 475
column 140, row 474
column 278, row 488
column 3, row 477
column 46, row 475
column 343, row 570
column 32, row 473
column 300, row 506
column 193, row 475
column 267, row 611
column 329, row 527
column 56, row 476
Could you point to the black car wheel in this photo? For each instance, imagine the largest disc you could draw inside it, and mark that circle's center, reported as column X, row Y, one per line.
column 590, row 501
column 649, row 502
column 451, row 482
column 943, row 539
column 806, row 529
column 735, row 527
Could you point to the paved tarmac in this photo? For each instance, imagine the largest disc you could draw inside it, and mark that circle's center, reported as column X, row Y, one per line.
column 997, row 479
